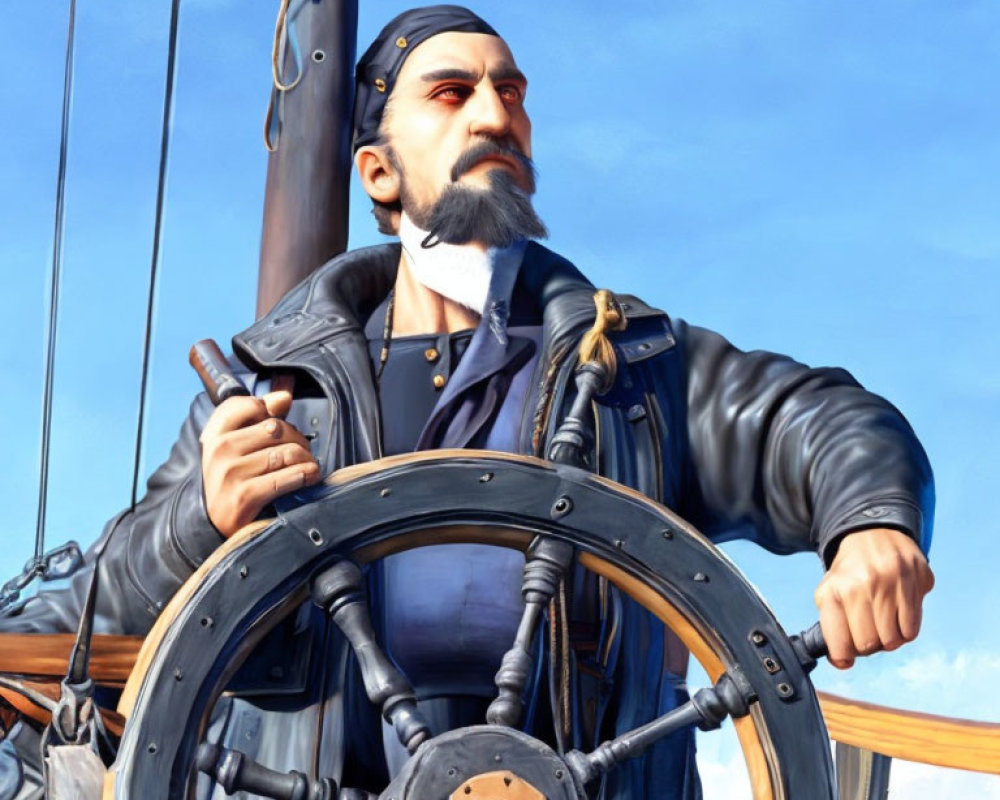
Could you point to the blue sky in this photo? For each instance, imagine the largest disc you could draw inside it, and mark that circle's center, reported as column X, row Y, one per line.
column 818, row 179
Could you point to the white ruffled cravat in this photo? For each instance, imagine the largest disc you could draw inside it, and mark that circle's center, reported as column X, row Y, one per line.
column 460, row 272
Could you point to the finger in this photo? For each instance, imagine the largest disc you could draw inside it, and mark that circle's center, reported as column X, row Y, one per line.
column 283, row 382
column 270, row 459
column 275, row 458
column 242, row 500
column 910, row 608
column 885, row 612
column 264, row 489
column 861, row 620
column 927, row 577
column 836, row 632
column 278, row 402
column 261, row 436
column 235, row 413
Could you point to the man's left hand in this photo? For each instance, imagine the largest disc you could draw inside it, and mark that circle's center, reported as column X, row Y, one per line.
column 872, row 596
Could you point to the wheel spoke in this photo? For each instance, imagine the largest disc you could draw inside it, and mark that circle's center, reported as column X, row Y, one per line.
column 731, row 696
column 235, row 772
column 340, row 590
column 547, row 561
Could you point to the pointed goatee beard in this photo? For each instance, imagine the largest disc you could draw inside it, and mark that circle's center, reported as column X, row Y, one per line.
column 495, row 216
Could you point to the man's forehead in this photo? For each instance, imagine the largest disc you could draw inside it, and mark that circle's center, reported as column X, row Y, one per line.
column 457, row 54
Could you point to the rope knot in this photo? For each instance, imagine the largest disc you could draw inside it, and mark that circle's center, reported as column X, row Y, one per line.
column 595, row 344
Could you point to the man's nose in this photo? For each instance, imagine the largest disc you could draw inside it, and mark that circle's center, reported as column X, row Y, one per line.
column 489, row 114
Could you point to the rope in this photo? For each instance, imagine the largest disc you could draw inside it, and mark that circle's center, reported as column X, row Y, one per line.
column 281, row 40
column 564, row 665
column 168, row 102
column 595, row 345
column 277, row 49
column 57, row 239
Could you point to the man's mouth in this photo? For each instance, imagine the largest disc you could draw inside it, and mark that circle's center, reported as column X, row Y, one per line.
column 493, row 154
column 499, row 161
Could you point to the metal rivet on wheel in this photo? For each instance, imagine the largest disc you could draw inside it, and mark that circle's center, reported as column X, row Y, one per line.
column 785, row 690
column 559, row 774
column 498, row 757
column 668, row 534
column 207, row 622
column 758, row 638
column 452, row 772
column 318, row 56
column 561, row 507
column 178, row 674
column 771, row 665
column 486, row 477
column 619, row 543
column 385, row 493
column 315, row 536
column 244, row 571
column 151, row 747
column 700, row 577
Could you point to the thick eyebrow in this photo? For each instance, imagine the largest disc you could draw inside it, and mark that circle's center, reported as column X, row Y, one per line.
column 508, row 72
column 449, row 74
column 504, row 73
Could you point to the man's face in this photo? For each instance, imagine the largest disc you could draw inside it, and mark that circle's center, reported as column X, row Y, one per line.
column 457, row 97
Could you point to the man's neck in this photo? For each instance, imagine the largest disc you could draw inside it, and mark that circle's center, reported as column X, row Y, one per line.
column 419, row 310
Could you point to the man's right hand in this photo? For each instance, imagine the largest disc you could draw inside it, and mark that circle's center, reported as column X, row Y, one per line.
column 249, row 457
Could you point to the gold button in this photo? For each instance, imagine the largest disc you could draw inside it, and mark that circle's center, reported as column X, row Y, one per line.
column 431, row 354
column 380, row 84
column 401, row 42
column 439, row 381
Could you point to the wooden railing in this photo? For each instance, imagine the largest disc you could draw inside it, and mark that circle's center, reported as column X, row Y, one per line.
column 868, row 735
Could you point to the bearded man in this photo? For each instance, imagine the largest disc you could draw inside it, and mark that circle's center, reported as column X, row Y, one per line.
column 446, row 340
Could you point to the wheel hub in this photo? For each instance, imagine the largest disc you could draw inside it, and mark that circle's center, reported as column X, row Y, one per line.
column 483, row 762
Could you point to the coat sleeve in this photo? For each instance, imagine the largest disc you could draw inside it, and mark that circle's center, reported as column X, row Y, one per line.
column 147, row 554
column 793, row 457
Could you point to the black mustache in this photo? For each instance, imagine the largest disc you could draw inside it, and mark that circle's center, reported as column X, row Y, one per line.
column 488, row 148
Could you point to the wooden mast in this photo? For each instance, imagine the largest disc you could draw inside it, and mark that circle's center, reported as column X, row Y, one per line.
column 308, row 175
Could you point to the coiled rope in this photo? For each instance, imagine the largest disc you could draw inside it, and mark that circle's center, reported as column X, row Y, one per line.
column 595, row 344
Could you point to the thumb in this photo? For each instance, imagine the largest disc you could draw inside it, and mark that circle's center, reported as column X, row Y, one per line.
column 277, row 403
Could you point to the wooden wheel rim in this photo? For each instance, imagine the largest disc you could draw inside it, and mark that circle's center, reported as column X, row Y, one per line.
column 388, row 506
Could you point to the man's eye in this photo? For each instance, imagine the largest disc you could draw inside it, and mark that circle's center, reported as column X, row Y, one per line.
column 510, row 94
column 452, row 94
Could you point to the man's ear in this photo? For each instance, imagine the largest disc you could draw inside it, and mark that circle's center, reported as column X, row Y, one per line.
column 379, row 177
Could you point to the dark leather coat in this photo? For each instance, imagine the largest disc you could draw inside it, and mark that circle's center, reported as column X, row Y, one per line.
column 750, row 445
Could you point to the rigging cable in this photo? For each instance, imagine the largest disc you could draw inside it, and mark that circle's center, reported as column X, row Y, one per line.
column 168, row 103
column 57, row 239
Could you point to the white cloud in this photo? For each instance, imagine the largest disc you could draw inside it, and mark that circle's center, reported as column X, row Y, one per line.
column 922, row 782
column 936, row 681
column 724, row 775
column 931, row 680
column 721, row 765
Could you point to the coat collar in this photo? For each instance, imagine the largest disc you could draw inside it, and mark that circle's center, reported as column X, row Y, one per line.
column 338, row 298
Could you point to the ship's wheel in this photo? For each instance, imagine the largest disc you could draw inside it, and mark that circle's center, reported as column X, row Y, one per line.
column 550, row 512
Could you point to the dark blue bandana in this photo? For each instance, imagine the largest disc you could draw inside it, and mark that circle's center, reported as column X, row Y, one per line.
column 380, row 65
